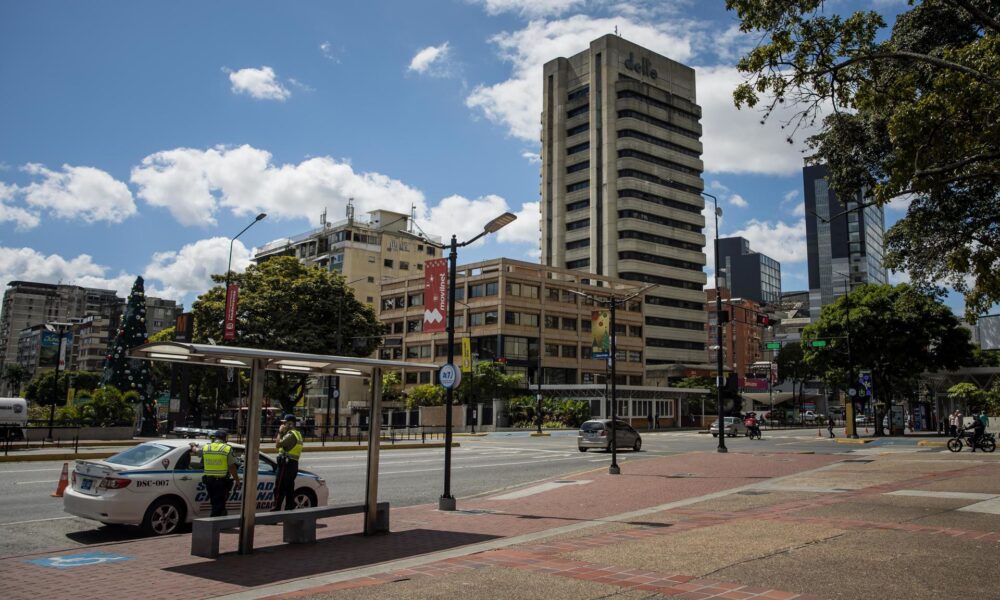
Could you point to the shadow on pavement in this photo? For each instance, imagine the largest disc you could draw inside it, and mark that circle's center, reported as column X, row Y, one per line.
column 274, row 564
column 106, row 534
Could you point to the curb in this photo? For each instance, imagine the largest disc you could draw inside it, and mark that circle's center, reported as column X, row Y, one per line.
column 99, row 455
column 932, row 443
column 543, row 434
column 851, row 441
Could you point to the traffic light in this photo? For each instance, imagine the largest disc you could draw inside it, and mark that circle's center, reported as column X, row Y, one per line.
column 763, row 319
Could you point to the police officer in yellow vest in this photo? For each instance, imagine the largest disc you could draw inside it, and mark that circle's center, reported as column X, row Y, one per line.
column 221, row 470
column 289, row 446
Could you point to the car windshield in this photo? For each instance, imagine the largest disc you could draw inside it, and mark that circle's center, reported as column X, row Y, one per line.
column 139, row 455
column 592, row 426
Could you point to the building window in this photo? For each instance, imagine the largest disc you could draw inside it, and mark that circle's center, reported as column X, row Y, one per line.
column 585, row 325
column 580, row 166
column 552, row 350
column 387, row 263
column 421, row 351
column 403, row 265
column 634, row 356
column 414, row 325
column 578, row 129
column 580, row 185
column 515, row 348
column 578, row 264
column 480, row 290
column 411, row 377
column 578, row 205
column 569, row 324
column 416, row 299
column 522, row 289
column 577, row 111
column 569, row 351
column 635, row 331
column 519, row 318
column 425, row 376
column 551, row 322
column 581, row 224
column 586, row 352
column 490, row 317
column 420, row 266
column 578, row 244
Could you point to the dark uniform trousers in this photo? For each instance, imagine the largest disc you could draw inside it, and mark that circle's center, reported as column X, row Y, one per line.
column 218, row 489
column 284, row 488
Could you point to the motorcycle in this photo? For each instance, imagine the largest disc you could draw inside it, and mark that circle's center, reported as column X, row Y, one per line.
column 753, row 432
column 964, row 438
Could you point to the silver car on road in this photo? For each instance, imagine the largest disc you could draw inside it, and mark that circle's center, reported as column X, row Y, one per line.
column 595, row 434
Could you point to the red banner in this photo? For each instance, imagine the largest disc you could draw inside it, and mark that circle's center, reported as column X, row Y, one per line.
column 436, row 295
column 232, row 298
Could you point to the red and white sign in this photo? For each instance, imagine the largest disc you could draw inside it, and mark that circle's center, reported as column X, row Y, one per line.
column 436, row 295
column 232, row 298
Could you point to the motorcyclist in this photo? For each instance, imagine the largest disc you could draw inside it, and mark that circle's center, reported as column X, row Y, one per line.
column 978, row 430
column 751, row 422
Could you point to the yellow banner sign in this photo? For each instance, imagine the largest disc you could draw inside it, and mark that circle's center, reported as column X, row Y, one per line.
column 600, row 327
column 466, row 355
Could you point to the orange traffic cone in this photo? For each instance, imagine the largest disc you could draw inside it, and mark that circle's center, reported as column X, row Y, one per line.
column 63, row 482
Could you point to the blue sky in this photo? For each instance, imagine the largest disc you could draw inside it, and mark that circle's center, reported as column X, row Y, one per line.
column 137, row 137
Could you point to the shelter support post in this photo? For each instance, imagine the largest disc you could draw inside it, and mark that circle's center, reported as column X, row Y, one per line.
column 374, row 435
column 251, row 457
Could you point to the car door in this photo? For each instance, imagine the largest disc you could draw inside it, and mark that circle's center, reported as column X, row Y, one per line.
column 188, row 473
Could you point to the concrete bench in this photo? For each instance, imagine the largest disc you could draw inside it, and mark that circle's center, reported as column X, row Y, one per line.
column 299, row 526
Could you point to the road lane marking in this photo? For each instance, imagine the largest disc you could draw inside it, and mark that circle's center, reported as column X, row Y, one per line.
column 990, row 507
column 36, row 521
column 930, row 494
column 538, row 489
column 27, row 482
column 31, row 471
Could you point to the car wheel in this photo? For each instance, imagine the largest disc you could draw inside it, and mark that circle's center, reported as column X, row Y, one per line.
column 582, row 449
column 304, row 498
column 637, row 446
column 163, row 517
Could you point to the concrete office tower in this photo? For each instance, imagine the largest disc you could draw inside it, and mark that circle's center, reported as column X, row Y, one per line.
column 843, row 240
column 748, row 274
column 621, row 183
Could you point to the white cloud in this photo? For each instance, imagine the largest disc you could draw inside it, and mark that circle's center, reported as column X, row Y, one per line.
column 785, row 243
column 734, row 140
column 790, row 196
column 194, row 184
column 302, row 86
column 82, row 193
column 462, row 217
column 529, row 8
column 258, row 83
column 22, row 218
column 799, row 210
column 190, row 269
column 328, row 51
column 532, row 157
column 434, row 61
column 738, row 201
column 525, row 229
column 901, row 203
column 517, row 102
column 31, row 265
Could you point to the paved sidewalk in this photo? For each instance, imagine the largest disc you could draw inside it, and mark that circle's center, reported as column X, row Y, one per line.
column 698, row 525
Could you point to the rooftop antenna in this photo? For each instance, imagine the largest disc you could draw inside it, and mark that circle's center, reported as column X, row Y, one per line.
column 350, row 211
column 616, row 30
column 413, row 217
column 322, row 218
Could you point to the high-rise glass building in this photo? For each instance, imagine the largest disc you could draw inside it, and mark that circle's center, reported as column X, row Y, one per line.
column 621, row 183
column 748, row 274
column 843, row 240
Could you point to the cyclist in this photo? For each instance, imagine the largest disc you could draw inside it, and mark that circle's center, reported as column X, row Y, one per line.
column 978, row 429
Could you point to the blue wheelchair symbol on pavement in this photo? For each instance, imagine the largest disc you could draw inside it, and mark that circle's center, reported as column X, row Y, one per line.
column 79, row 560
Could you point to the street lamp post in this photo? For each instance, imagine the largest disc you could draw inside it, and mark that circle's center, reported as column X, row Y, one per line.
column 60, row 329
column 718, row 330
column 447, row 501
column 538, row 397
column 229, row 270
column 612, row 303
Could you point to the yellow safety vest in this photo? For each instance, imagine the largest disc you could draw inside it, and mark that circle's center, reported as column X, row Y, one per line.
column 296, row 450
column 215, row 459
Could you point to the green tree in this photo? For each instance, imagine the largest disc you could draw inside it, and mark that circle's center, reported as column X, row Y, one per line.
column 120, row 370
column 285, row 305
column 390, row 387
column 916, row 114
column 968, row 394
column 427, row 394
column 897, row 332
column 793, row 367
column 43, row 387
column 488, row 381
column 14, row 375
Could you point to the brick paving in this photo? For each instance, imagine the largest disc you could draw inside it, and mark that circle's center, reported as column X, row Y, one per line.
column 163, row 567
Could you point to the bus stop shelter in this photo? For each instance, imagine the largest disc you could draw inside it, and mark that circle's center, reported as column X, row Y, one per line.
column 259, row 361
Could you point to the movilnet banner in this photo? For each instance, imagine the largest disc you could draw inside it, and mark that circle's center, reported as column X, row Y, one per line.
column 232, row 298
column 436, row 295
column 754, row 385
column 600, row 326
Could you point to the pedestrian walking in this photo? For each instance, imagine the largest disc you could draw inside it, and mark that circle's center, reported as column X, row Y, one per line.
column 289, row 446
column 829, row 426
column 649, row 417
column 221, row 471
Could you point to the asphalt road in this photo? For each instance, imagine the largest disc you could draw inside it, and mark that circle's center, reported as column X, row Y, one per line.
column 31, row 520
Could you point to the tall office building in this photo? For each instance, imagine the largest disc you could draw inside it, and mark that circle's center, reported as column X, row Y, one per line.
column 843, row 240
column 748, row 274
column 621, row 183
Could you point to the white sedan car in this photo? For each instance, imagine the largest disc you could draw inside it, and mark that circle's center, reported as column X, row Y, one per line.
column 157, row 485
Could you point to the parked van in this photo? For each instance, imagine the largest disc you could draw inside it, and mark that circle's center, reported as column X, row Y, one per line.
column 13, row 418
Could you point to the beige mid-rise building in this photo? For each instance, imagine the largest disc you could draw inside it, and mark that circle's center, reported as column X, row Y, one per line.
column 621, row 184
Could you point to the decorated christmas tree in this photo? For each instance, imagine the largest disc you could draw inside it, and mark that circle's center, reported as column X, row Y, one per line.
column 131, row 374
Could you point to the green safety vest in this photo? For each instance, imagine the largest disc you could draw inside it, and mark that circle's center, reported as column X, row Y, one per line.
column 215, row 459
column 296, row 450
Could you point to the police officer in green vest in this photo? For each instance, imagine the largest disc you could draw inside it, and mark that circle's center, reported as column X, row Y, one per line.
column 289, row 446
column 221, row 470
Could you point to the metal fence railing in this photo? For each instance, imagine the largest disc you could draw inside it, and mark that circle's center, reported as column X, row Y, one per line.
column 62, row 436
